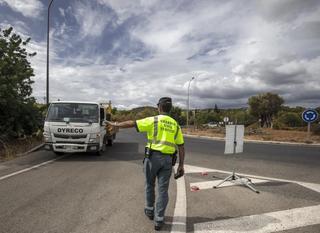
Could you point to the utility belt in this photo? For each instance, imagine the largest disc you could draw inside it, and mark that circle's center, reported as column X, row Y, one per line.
column 149, row 152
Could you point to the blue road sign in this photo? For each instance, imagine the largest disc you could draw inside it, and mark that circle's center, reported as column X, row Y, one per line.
column 310, row 115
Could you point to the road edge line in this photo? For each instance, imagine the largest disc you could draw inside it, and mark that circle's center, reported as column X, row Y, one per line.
column 31, row 150
column 179, row 222
column 29, row 168
column 255, row 141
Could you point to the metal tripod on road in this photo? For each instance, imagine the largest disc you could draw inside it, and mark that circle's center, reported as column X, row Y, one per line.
column 234, row 177
column 242, row 180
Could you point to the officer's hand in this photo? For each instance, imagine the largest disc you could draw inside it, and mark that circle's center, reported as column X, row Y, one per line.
column 111, row 123
column 112, row 126
column 180, row 172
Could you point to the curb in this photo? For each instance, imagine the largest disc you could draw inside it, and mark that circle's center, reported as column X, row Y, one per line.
column 31, row 150
column 256, row 141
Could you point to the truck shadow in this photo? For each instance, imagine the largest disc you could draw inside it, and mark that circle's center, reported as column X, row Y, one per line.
column 120, row 151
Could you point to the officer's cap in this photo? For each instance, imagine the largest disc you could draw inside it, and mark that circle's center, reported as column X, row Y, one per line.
column 165, row 100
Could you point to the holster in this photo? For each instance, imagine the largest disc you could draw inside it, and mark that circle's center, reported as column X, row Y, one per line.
column 147, row 153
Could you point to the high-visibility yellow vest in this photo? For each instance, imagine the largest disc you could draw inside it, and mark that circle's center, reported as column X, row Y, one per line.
column 163, row 132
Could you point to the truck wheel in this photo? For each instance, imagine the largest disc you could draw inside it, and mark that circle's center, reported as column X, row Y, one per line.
column 110, row 142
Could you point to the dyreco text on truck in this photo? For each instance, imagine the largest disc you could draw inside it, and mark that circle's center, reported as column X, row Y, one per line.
column 77, row 127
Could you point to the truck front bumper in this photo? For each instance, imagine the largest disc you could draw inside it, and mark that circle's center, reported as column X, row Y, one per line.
column 72, row 148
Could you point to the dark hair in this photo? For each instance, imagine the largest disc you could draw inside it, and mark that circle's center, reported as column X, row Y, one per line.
column 165, row 104
column 166, row 107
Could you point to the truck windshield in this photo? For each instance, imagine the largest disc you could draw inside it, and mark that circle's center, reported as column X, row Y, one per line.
column 73, row 112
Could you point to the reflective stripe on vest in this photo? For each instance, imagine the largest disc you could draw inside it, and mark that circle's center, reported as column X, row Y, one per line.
column 155, row 134
column 162, row 143
column 155, row 128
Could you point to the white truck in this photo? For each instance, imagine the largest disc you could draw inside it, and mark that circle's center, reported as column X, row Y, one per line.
column 72, row 126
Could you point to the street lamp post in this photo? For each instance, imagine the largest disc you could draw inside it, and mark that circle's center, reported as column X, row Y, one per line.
column 48, row 28
column 188, row 102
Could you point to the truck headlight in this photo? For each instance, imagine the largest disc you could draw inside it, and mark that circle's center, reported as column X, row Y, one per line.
column 47, row 136
column 94, row 137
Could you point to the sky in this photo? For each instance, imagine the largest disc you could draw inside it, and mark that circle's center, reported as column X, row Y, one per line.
column 133, row 52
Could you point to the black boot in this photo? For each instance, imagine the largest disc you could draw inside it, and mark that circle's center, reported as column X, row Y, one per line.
column 149, row 214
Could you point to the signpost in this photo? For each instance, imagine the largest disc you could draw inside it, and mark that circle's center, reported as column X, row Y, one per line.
column 226, row 120
column 234, row 145
column 309, row 116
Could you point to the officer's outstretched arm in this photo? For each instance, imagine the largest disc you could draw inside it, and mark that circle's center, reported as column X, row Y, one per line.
column 124, row 124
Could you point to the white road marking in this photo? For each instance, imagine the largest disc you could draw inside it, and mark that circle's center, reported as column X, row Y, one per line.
column 29, row 168
column 264, row 223
column 179, row 222
column 195, row 169
column 312, row 186
column 210, row 184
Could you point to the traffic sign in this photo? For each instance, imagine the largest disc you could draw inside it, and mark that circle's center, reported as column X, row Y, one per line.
column 226, row 119
column 310, row 115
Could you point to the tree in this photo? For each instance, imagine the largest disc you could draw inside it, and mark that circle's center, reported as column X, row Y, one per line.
column 291, row 119
column 114, row 111
column 265, row 107
column 216, row 109
column 145, row 112
column 19, row 114
column 241, row 116
column 203, row 117
column 176, row 113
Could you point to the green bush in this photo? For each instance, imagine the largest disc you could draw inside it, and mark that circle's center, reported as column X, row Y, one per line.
column 278, row 125
column 316, row 130
column 290, row 119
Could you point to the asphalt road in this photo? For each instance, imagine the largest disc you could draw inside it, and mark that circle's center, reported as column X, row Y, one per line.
column 86, row 193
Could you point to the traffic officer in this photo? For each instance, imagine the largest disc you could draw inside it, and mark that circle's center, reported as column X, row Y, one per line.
column 164, row 140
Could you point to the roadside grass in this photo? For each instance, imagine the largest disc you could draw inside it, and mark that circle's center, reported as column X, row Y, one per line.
column 12, row 148
column 262, row 134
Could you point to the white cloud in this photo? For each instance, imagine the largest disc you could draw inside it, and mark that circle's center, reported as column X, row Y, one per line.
column 91, row 18
column 233, row 49
column 62, row 12
column 30, row 8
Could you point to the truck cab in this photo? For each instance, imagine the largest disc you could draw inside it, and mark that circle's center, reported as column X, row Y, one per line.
column 72, row 126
